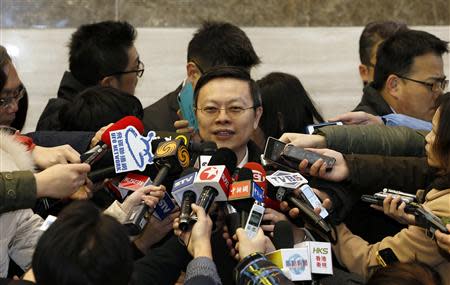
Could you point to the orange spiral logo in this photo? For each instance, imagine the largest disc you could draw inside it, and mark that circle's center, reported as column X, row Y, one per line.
column 166, row 148
column 183, row 156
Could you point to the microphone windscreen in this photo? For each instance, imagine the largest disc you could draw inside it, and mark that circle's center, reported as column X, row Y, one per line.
column 208, row 148
column 155, row 144
column 245, row 174
column 188, row 171
column 224, row 156
column 283, row 236
column 271, row 192
column 120, row 125
column 259, row 173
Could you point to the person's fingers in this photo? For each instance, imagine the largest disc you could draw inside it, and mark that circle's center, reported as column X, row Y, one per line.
column 284, row 206
column 323, row 170
column 294, row 213
column 181, row 124
column 199, row 211
column 303, row 165
column 80, row 168
column 327, row 204
column 377, row 207
column 401, row 208
column 315, row 167
column 387, row 203
column 71, row 155
column 150, row 201
column 187, row 130
column 268, row 217
column 268, row 228
column 285, row 137
column 393, row 205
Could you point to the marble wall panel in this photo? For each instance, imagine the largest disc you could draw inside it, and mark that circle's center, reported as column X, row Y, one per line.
column 54, row 13
column 247, row 13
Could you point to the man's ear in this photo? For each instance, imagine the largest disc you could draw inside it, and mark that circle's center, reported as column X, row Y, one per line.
column 193, row 73
column 364, row 72
column 109, row 81
column 258, row 114
column 393, row 86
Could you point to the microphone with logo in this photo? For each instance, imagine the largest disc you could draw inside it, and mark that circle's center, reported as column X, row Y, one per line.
column 259, row 177
column 170, row 157
column 204, row 152
column 243, row 194
column 214, row 179
column 185, row 193
column 286, row 194
column 299, row 262
column 98, row 151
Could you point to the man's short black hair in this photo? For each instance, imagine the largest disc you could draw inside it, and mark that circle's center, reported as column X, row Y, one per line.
column 229, row 72
column 98, row 106
column 83, row 246
column 221, row 44
column 396, row 54
column 100, row 49
column 375, row 32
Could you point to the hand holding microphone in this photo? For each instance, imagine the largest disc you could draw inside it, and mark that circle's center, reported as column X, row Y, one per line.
column 197, row 239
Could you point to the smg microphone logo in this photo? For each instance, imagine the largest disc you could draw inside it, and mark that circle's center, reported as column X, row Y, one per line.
column 209, row 173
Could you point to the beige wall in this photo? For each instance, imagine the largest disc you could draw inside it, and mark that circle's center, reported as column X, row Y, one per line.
column 325, row 60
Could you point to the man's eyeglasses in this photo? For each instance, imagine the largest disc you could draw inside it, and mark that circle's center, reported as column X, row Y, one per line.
column 436, row 86
column 233, row 111
column 139, row 71
column 7, row 97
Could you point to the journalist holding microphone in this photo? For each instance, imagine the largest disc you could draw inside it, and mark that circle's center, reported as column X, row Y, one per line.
column 414, row 243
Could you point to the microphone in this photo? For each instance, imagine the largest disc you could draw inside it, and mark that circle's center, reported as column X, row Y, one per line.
column 170, row 157
column 259, row 177
column 204, row 152
column 243, row 194
column 286, row 194
column 215, row 179
column 95, row 153
column 109, row 171
column 185, row 193
column 283, row 236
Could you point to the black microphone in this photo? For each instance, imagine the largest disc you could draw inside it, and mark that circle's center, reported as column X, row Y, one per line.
column 185, row 193
column 283, row 236
column 171, row 157
column 215, row 178
column 285, row 194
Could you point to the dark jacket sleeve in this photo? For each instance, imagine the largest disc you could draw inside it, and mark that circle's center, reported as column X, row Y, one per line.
column 17, row 190
column 372, row 173
column 162, row 265
column 80, row 141
column 257, row 269
column 375, row 139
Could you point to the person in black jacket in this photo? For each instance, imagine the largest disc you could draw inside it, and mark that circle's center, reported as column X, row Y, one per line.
column 100, row 54
column 214, row 44
column 409, row 76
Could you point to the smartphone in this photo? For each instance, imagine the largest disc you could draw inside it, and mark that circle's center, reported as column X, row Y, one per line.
column 386, row 257
column 309, row 196
column 311, row 128
column 254, row 220
column 272, row 155
column 186, row 103
column 297, row 154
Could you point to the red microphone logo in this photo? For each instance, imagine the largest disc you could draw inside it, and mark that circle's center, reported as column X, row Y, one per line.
column 209, row 173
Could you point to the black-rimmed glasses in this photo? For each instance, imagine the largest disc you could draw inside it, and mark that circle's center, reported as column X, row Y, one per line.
column 13, row 95
column 436, row 86
column 139, row 71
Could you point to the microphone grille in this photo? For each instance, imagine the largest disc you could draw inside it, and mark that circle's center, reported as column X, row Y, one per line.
column 283, row 237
